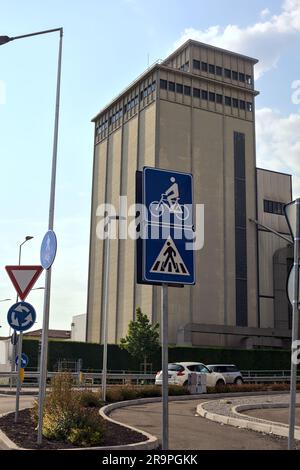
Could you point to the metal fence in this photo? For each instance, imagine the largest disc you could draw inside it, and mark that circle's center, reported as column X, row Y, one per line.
column 93, row 378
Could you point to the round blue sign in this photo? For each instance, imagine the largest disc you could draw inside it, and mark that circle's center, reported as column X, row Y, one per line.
column 48, row 249
column 24, row 360
column 21, row 316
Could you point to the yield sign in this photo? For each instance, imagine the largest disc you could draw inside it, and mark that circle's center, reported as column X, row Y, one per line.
column 23, row 278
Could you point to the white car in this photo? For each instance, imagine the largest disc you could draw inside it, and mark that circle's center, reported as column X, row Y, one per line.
column 231, row 373
column 178, row 373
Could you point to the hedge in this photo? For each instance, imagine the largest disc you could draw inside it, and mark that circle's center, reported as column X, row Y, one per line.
column 118, row 359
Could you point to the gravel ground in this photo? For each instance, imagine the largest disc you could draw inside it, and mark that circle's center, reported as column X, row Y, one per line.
column 224, row 406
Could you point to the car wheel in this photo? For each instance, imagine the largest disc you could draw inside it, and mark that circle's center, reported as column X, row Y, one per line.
column 185, row 384
column 239, row 381
column 220, row 383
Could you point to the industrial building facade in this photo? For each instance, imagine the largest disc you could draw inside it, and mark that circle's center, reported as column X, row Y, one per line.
column 195, row 112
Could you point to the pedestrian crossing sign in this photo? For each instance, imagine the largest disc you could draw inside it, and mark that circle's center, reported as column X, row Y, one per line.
column 169, row 260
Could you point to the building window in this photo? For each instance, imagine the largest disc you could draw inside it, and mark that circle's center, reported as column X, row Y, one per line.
column 235, row 75
column 227, row 73
column 227, row 100
column 241, row 77
column 185, row 67
column 179, row 88
column 241, row 283
column 196, row 64
column 212, row 96
column 235, row 102
column 273, row 207
column 219, row 99
column 163, row 84
column 219, row 71
column 196, row 92
column 171, row 86
column 249, row 79
column 187, row 90
column 204, row 66
column 242, row 104
column 204, row 94
column 212, row 69
column 136, row 100
column 249, row 107
column 153, row 86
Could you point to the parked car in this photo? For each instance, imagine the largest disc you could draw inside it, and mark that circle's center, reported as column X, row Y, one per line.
column 178, row 374
column 230, row 372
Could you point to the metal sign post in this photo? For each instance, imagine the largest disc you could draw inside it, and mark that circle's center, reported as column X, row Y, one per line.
column 105, row 319
column 293, row 383
column 165, row 379
column 167, row 227
column 19, row 383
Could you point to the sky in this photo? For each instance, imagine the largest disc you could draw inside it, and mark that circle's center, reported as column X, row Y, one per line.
column 106, row 46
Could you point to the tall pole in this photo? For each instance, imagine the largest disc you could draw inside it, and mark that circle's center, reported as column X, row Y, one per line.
column 293, row 384
column 44, row 350
column 105, row 317
column 165, row 379
column 20, row 341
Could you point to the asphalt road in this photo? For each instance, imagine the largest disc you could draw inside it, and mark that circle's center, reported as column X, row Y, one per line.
column 8, row 404
column 187, row 431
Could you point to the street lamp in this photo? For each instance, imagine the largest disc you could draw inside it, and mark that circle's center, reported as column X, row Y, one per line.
column 44, row 352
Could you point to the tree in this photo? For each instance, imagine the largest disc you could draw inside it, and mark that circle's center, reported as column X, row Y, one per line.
column 142, row 339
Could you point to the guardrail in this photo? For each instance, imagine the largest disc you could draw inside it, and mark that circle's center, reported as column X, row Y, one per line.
column 267, row 376
column 125, row 377
column 88, row 378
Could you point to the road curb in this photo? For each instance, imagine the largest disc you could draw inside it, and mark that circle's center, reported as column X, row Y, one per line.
column 265, row 426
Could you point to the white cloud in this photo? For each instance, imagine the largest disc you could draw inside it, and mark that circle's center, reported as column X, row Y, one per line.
column 265, row 12
column 278, row 143
column 265, row 40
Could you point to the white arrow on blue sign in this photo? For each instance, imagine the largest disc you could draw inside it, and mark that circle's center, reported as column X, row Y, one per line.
column 24, row 361
column 21, row 316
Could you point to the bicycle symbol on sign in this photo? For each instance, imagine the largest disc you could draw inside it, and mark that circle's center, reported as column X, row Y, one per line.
column 169, row 201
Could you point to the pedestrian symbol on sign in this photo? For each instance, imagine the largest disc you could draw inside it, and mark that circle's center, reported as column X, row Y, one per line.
column 169, row 260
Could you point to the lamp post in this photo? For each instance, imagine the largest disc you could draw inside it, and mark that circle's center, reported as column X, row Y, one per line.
column 44, row 352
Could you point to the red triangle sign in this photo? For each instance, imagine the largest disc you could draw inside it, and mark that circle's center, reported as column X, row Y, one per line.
column 23, row 278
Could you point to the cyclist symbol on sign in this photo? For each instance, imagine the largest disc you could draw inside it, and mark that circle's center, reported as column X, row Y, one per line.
column 169, row 200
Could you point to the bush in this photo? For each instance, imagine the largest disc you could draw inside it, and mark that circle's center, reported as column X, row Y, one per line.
column 132, row 392
column 277, row 387
column 67, row 417
column 90, row 399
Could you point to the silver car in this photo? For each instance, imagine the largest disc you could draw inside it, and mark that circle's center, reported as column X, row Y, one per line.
column 230, row 372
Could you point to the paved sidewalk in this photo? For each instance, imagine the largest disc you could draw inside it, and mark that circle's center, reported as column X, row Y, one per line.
column 225, row 406
column 234, row 412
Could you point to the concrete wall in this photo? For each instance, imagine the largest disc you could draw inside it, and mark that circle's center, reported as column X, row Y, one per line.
column 78, row 328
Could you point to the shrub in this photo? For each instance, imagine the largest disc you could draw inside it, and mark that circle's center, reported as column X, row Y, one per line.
column 66, row 415
column 132, row 392
column 89, row 399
